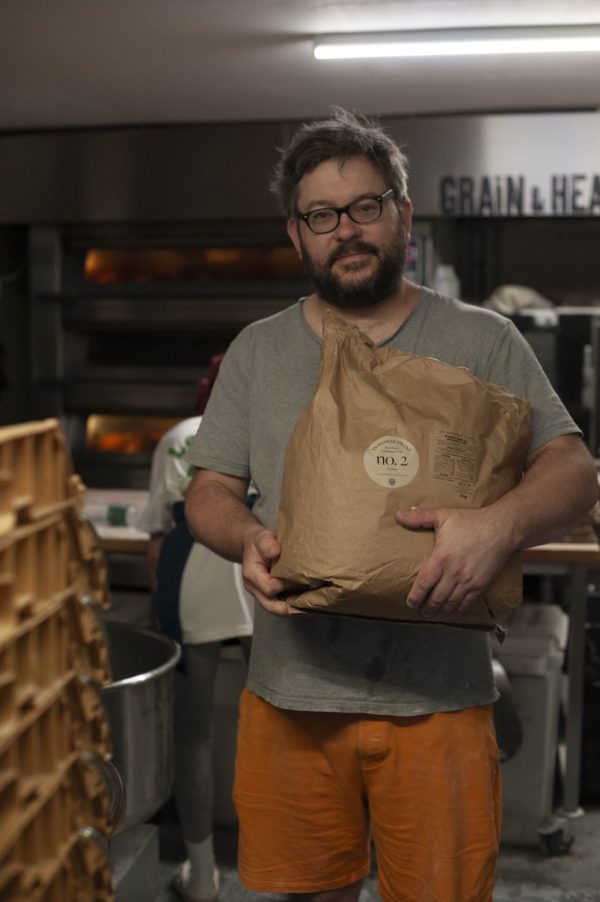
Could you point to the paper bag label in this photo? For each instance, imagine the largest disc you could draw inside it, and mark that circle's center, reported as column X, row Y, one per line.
column 455, row 461
column 391, row 461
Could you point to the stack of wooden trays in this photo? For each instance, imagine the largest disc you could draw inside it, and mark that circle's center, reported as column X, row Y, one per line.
column 60, row 797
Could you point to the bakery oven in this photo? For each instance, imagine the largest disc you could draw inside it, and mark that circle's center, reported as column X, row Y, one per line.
column 125, row 322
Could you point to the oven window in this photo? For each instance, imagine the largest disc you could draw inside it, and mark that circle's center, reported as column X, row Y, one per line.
column 122, row 266
column 125, row 434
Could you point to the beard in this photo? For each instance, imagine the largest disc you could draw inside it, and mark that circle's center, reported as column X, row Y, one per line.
column 366, row 291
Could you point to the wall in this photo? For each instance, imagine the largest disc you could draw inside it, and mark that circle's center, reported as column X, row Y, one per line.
column 211, row 174
column 539, row 164
column 14, row 326
column 138, row 174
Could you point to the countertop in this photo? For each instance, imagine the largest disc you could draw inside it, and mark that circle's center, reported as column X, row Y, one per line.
column 117, row 538
column 128, row 539
column 587, row 553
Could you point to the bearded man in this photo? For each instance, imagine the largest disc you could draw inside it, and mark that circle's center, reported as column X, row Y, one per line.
column 333, row 751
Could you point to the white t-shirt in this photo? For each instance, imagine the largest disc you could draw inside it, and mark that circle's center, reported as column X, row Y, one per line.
column 213, row 604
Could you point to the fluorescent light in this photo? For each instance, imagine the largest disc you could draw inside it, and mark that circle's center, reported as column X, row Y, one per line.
column 460, row 42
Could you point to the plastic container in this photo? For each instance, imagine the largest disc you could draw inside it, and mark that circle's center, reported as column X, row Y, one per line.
column 34, row 568
column 35, row 469
column 533, row 656
column 59, row 797
column 445, row 280
column 105, row 514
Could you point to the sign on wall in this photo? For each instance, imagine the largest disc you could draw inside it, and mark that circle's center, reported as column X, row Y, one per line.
column 573, row 194
column 538, row 164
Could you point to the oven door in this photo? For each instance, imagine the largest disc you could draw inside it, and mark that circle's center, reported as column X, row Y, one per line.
column 125, row 326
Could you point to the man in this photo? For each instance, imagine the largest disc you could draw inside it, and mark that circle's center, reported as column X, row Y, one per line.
column 352, row 729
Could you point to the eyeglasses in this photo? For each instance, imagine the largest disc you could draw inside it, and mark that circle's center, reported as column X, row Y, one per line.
column 361, row 211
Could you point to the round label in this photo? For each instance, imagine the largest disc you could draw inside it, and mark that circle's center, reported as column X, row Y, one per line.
column 391, row 461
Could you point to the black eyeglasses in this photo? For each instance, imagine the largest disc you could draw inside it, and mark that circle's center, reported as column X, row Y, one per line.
column 361, row 211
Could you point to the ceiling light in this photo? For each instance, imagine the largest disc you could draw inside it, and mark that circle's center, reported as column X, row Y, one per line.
column 460, row 42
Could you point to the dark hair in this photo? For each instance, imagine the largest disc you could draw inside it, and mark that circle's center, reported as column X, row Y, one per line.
column 342, row 135
column 205, row 385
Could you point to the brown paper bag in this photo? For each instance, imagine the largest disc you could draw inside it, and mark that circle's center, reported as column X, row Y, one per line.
column 388, row 430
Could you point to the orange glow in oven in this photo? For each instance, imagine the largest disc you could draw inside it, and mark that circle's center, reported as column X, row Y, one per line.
column 125, row 434
column 114, row 266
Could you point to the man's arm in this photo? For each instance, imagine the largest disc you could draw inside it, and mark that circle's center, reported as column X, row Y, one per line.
column 217, row 516
column 559, row 487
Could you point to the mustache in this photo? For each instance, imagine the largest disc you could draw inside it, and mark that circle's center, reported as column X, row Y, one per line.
column 351, row 247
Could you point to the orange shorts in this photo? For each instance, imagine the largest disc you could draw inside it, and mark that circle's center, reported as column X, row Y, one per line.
column 312, row 790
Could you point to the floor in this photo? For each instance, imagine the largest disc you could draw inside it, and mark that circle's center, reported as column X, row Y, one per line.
column 524, row 875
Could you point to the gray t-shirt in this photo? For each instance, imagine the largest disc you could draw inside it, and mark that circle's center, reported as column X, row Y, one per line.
column 321, row 662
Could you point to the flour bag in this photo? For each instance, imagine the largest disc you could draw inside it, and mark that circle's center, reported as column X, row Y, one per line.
column 388, row 430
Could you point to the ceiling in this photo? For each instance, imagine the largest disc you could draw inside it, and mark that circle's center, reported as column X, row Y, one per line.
column 77, row 63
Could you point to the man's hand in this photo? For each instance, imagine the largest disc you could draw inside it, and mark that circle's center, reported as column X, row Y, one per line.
column 261, row 549
column 469, row 552
column 217, row 515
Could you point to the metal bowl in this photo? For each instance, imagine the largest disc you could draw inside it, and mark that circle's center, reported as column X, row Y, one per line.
column 139, row 707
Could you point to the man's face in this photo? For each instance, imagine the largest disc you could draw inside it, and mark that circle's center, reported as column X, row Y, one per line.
column 356, row 265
